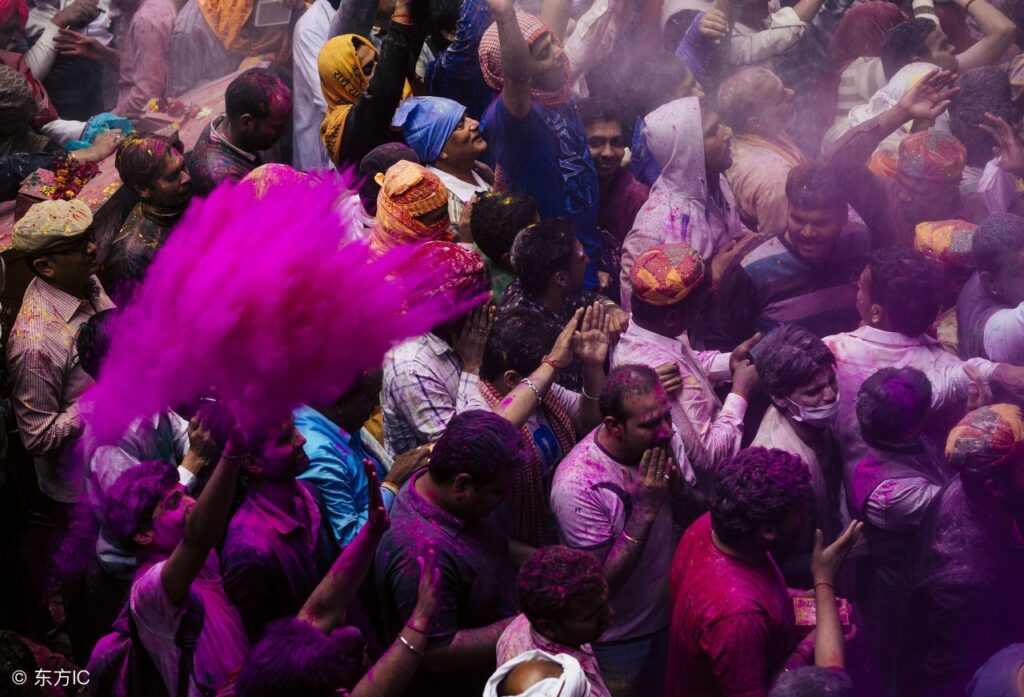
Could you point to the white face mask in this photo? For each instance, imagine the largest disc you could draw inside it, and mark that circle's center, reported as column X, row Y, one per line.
column 821, row 416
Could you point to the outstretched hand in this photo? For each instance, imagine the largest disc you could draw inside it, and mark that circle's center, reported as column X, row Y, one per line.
column 428, row 602
column 1008, row 146
column 590, row 343
column 377, row 515
column 931, row 96
column 825, row 561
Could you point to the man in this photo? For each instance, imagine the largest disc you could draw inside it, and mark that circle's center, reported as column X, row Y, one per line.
column 965, row 602
column 732, row 617
column 609, row 497
column 550, row 265
column 670, row 286
column 424, row 376
column 46, row 376
column 143, row 54
column 447, row 506
column 495, row 221
column 450, row 144
column 691, row 202
column 154, row 168
column 563, row 596
column 758, row 107
column 621, row 194
column 929, row 166
column 798, row 372
column 274, row 553
column 534, row 128
column 258, row 108
column 312, row 31
column 990, row 310
column 804, row 276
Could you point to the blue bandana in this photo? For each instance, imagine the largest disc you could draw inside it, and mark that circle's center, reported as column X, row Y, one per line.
column 427, row 123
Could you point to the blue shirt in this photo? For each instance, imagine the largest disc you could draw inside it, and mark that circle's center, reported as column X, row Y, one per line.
column 545, row 156
column 455, row 73
column 336, row 470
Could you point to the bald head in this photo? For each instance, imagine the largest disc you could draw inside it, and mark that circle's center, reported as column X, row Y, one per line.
column 527, row 674
column 755, row 101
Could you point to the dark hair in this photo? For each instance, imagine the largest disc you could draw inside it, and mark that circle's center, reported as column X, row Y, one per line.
column 982, row 90
column 739, row 98
column 813, row 187
column 908, row 286
column 478, row 443
column 812, row 681
column 251, row 93
column 131, row 500
column 296, row 658
column 891, row 401
column 624, row 383
column 552, row 577
column 789, row 357
column 16, row 655
column 140, row 160
column 540, row 251
column 998, row 235
column 497, row 219
column 93, row 342
column 516, row 342
column 903, row 43
column 754, row 487
column 595, row 109
column 378, row 161
column 675, row 29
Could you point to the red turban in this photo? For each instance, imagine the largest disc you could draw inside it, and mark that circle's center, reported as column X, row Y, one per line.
column 931, row 154
column 666, row 274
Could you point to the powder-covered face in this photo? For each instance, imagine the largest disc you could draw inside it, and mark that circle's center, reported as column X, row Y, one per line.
column 173, row 186
column 649, row 422
column 864, row 296
column 923, row 200
column 813, row 233
column 548, row 64
column 717, row 151
column 169, row 520
column 283, row 457
column 822, row 390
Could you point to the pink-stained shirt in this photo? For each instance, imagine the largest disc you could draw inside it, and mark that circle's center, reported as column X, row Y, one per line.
column 590, row 500
column 519, row 637
column 732, row 621
column 222, row 645
column 143, row 72
column 703, row 422
column 47, row 380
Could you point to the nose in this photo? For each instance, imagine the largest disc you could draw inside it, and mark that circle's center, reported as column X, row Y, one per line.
column 606, row 150
column 829, row 395
column 474, row 125
column 809, row 232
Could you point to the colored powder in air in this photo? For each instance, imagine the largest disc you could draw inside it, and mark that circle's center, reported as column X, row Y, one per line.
column 255, row 299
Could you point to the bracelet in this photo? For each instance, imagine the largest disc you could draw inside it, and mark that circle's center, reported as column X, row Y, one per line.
column 390, row 487
column 968, row 5
column 418, row 631
column 825, row 583
column 633, row 539
column 551, row 362
column 586, row 396
column 529, row 383
column 411, row 647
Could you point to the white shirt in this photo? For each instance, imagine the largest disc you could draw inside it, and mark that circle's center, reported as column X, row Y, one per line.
column 312, row 31
column 459, row 193
column 1004, row 335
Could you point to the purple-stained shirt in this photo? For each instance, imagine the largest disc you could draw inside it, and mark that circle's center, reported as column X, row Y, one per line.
column 143, row 72
column 520, row 637
column 591, row 502
column 272, row 560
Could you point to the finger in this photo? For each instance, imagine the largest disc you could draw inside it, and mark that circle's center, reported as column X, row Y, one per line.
column 819, row 541
column 645, row 463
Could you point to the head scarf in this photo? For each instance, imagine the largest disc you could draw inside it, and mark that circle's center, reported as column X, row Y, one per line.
column 985, row 438
column 532, row 29
column 427, row 123
column 572, row 683
column 666, row 274
column 51, row 223
column 863, row 29
column 266, row 177
column 228, row 20
column 342, row 82
column 465, row 273
column 9, row 8
column 378, row 161
column 18, row 108
column 407, row 191
column 932, row 154
column 949, row 242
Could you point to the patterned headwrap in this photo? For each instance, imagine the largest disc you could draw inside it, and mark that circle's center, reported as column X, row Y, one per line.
column 490, row 59
column 465, row 273
column 949, row 242
column 407, row 191
column 666, row 274
column 342, row 81
column 51, row 223
column 985, row 438
column 931, row 154
column 18, row 108
column 9, row 8
column 270, row 175
column 427, row 123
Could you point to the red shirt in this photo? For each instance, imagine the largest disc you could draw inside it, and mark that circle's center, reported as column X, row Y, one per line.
column 732, row 622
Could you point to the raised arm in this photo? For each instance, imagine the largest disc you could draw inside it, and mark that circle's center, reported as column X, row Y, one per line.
column 591, row 346
column 354, row 17
column 825, row 563
column 516, row 62
column 555, row 13
column 999, row 33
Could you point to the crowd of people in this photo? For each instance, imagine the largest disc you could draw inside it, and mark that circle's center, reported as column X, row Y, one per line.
column 727, row 401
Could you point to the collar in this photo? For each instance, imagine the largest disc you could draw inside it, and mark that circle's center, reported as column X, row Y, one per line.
column 432, row 512
column 462, row 190
column 216, row 137
column 65, row 305
column 165, row 217
column 279, row 521
column 887, row 338
column 436, row 344
column 677, row 346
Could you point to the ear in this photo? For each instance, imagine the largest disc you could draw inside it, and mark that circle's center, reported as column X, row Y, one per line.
column 994, row 489
column 876, row 314
column 616, row 428
column 769, row 532
column 448, row 35
column 511, row 378
column 989, row 282
column 462, row 484
column 779, row 403
column 144, row 538
column 561, row 278
column 144, row 192
column 246, row 122
column 547, row 628
column 44, row 266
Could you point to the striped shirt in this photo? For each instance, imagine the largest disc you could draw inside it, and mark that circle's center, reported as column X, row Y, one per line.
column 422, row 380
column 771, row 285
column 48, row 380
column 858, row 83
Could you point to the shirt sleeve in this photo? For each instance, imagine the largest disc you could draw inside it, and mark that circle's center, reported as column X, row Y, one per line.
column 145, row 71
column 332, row 475
column 402, row 582
column 589, row 516
column 737, row 650
column 43, row 53
column 595, row 35
column 151, row 607
column 38, row 382
column 865, row 192
column 900, row 504
column 1004, row 335
column 424, row 401
column 784, row 29
column 469, row 396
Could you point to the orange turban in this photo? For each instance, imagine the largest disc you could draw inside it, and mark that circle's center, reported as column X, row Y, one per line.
column 666, row 274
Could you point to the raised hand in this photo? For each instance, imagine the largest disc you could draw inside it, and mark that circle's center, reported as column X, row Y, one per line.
column 428, row 601
column 650, row 487
column 931, row 96
column 714, row 25
column 979, row 393
column 825, row 561
column 742, row 352
column 377, row 520
column 561, row 352
column 670, row 377
column 77, row 14
column 590, row 343
column 72, row 43
column 1008, row 146
column 469, row 344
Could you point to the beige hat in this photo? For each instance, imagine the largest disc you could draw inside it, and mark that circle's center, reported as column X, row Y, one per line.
column 50, row 223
